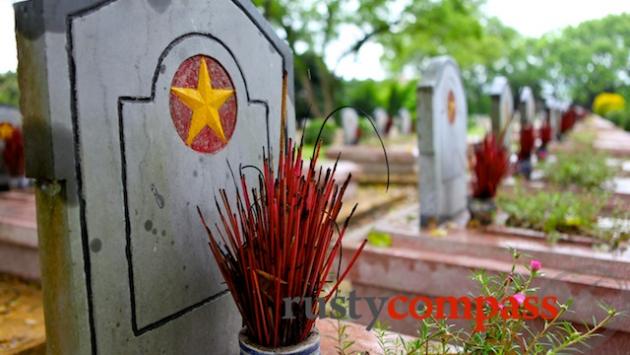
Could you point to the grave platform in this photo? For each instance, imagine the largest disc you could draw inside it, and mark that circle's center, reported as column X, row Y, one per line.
column 424, row 263
column 18, row 235
column 402, row 159
column 22, row 329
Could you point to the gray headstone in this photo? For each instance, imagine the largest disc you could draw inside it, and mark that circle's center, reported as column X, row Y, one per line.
column 350, row 124
column 381, row 118
column 527, row 106
column 405, row 121
column 502, row 107
column 442, row 116
column 122, row 162
column 554, row 116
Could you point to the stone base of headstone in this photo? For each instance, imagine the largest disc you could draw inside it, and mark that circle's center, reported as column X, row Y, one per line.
column 420, row 263
column 524, row 168
column 455, row 195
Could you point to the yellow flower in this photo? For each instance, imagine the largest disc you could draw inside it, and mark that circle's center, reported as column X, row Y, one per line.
column 6, row 130
column 607, row 102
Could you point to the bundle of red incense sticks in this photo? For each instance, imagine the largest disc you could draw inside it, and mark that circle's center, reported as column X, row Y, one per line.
column 490, row 166
column 279, row 240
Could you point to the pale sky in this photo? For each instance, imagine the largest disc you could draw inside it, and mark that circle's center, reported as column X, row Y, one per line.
column 530, row 17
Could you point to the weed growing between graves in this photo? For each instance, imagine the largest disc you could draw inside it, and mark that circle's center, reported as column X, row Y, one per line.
column 562, row 212
column 584, row 168
column 583, row 138
column 502, row 336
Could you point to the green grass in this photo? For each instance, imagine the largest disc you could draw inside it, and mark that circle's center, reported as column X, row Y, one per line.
column 584, row 168
column 308, row 149
column 561, row 212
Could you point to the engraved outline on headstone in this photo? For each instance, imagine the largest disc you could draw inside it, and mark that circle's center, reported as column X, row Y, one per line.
column 129, row 254
column 78, row 168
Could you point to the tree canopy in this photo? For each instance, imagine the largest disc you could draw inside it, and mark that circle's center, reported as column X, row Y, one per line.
column 575, row 63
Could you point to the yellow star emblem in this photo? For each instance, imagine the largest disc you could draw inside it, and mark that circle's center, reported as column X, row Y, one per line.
column 205, row 102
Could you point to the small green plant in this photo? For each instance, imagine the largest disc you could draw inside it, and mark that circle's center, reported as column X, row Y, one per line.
column 379, row 239
column 583, row 138
column 511, row 335
column 312, row 128
column 561, row 212
column 344, row 344
column 584, row 168
column 621, row 118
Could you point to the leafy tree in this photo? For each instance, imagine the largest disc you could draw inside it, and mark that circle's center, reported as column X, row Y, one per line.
column 9, row 92
column 589, row 58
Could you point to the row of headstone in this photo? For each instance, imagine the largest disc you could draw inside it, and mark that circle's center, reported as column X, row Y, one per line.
column 556, row 109
column 442, row 116
column 131, row 111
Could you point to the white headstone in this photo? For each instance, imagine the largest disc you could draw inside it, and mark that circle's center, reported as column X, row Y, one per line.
column 350, row 123
column 502, row 107
column 405, row 121
column 442, row 116
column 123, row 155
column 527, row 107
column 381, row 119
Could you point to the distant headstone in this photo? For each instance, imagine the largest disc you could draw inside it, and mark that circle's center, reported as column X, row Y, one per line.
column 350, row 124
column 502, row 107
column 527, row 106
column 11, row 115
column 132, row 110
column 442, row 116
column 381, row 119
column 405, row 121
column 553, row 106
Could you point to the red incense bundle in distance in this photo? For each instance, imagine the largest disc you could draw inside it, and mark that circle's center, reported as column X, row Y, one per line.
column 490, row 166
column 279, row 240
column 527, row 141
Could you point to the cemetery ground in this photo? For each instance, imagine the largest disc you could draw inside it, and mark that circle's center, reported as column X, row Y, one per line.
column 576, row 225
column 156, row 199
column 397, row 252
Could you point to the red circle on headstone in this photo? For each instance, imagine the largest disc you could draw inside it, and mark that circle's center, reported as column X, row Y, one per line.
column 187, row 76
column 451, row 107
